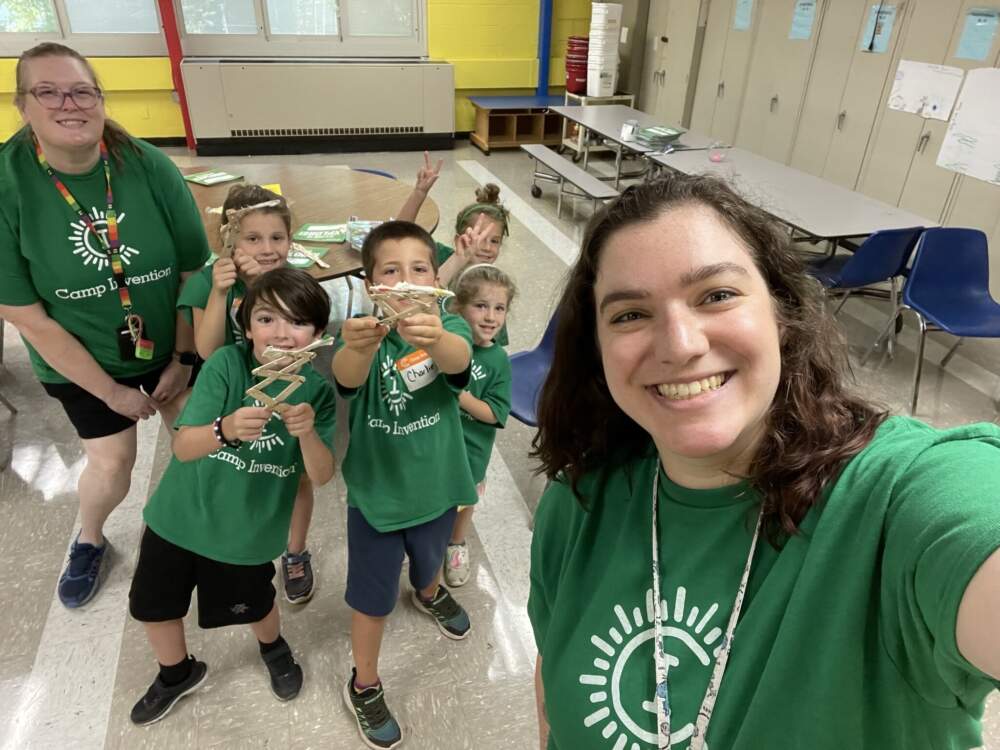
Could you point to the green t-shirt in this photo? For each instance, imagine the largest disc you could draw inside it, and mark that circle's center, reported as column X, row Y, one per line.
column 235, row 504
column 195, row 293
column 443, row 253
column 489, row 381
column 405, row 463
column 48, row 255
column 847, row 635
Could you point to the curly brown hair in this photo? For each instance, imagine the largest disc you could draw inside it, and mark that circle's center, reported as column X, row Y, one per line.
column 815, row 423
column 115, row 136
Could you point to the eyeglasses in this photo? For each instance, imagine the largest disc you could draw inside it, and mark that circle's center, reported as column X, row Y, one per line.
column 84, row 97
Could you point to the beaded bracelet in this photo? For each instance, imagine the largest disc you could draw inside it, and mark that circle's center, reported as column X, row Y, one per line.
column 217, row 429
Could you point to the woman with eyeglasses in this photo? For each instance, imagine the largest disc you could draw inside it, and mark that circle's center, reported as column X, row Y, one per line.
column 97, row 232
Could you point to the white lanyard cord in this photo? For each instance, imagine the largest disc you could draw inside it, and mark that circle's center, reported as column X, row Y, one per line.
column 662, row 696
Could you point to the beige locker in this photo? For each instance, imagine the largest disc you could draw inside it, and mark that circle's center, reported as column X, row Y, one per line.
column 722, row 74
column 843, row 94
column 779, row 69
column 679, row 45
column 649, row 92
column 899, row 136
column 927, row 185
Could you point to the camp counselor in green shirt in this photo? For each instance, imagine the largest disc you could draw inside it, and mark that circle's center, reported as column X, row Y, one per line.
column 69, row 179
column 736, row 552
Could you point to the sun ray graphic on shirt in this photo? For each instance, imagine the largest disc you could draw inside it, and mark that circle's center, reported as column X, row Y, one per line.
column 687, row 636
column 477, row 372
column 89, row 249
column 389, row 387
column 267, row 440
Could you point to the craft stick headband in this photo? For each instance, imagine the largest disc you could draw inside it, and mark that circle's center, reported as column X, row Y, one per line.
column 230, row 229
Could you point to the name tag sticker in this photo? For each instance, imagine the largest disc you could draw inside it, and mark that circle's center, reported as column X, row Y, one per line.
column 417, row 369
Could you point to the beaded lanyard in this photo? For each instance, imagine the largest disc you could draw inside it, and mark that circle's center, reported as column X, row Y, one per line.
column 110, row 243
column 662, row 697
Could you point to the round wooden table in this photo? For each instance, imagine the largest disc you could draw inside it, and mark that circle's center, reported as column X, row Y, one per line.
column 317, row 195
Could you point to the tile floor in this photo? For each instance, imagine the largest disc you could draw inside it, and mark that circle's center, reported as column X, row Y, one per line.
column 68, row 679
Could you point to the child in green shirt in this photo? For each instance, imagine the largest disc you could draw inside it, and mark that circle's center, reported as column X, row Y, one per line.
column 403, row 483
column 211, row 301
column 483, row 294
column 221, row 513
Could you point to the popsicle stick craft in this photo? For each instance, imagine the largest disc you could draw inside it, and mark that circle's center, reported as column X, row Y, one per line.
column 282, row 365
column 230, row 231
column 422, row 299
column 306, row 252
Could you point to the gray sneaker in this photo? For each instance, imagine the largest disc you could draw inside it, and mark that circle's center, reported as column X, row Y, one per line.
column 456, row 565
column 448, row 614
column 377, row 727
column 297, row 577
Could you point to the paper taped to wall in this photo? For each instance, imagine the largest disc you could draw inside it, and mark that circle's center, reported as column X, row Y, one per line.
column 925, row 89
column 971, row 144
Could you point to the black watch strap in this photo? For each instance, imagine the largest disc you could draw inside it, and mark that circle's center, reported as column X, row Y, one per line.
column 189, row 359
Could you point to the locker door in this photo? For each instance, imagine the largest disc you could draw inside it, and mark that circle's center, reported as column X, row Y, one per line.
column 776, row 81
column 720, row 14
column 676, row 60
column 827, row 82
column 927, row 184
column 649, row 95
column 732, row 82
column 898, row 135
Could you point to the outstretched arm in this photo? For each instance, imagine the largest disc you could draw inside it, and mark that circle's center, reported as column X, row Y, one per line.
column 978, row 628
column 426, row 177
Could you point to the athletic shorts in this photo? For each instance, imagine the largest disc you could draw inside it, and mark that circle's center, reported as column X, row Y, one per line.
column 93, row 418
column 374, row 560
column 228, row 594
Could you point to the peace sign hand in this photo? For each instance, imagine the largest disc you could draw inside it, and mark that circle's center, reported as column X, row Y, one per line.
column 427, row 175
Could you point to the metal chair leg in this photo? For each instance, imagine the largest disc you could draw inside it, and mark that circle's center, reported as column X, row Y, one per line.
column 919, row 365
column 843, row 301
column 882, row 335
column 10, row 407
column 951, row 352
column 890, row 343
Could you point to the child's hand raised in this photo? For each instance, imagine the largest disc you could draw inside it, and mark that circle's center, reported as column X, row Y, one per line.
column 473, row 245
column 246, row 423
column 363, row 335
column 299, row 419
column 427, row 175
column 247, row 266
column 223, row 275
column 420, row 330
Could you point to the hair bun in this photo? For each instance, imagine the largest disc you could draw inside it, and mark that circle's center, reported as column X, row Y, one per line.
column 488, row 193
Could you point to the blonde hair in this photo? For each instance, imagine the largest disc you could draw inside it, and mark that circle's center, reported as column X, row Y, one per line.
column 468, row 283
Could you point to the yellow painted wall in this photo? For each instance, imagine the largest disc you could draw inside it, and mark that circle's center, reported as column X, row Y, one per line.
column 140, row 95
column 492, row 44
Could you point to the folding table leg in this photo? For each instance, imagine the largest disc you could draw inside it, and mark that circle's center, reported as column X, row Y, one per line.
column 585, row 134
column 618, row 165
column 559, row 200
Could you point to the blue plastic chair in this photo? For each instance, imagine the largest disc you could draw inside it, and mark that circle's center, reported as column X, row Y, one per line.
column 528, row 371
column 372, row 170
column 948, row 290
column 880, row 258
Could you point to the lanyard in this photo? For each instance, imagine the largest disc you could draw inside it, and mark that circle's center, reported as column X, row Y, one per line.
column 659, row 657
column 110, row 243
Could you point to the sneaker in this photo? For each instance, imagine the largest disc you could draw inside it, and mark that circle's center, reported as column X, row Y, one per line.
column 375, row 723
column 297, row 576
column 451, row 619
column 160, row 698
column 286, row 674
column 456, row 565
column 81, row 579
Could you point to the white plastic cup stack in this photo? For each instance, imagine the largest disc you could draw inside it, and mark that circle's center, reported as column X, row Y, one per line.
column 602, row 56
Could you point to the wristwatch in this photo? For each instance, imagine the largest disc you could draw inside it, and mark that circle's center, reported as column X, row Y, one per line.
column 188, row 359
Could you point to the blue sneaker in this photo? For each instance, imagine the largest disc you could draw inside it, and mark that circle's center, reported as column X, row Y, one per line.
column 81, row 579
column 375, row 723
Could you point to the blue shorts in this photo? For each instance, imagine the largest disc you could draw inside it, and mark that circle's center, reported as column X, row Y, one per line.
column 374, row 560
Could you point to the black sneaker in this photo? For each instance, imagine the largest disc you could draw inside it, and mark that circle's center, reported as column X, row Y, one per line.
column 377, row 727
column 160, row 698
column 297, row 577
column 286, row 674
column 448, row 614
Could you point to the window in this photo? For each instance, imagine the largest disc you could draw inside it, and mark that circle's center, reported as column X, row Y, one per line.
column 221, row 17
column 119, row 17
column 381, row 17
column 27, row 17
column 303, row 17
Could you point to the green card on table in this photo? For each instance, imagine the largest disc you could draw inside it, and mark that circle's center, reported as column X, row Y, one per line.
column 213, row 177
column 321, row 233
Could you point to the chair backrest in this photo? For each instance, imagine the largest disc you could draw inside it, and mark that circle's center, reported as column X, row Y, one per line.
column 880, row 257
column 950, row 266
column 548, row 342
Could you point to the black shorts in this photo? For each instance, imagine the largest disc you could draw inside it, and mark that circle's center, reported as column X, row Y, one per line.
column 93, row 418
column 228, row 594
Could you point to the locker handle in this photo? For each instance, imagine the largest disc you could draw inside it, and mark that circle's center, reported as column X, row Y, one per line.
column 922, row 143
column 774, row 102
column 840, row 119
column 721, row 89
